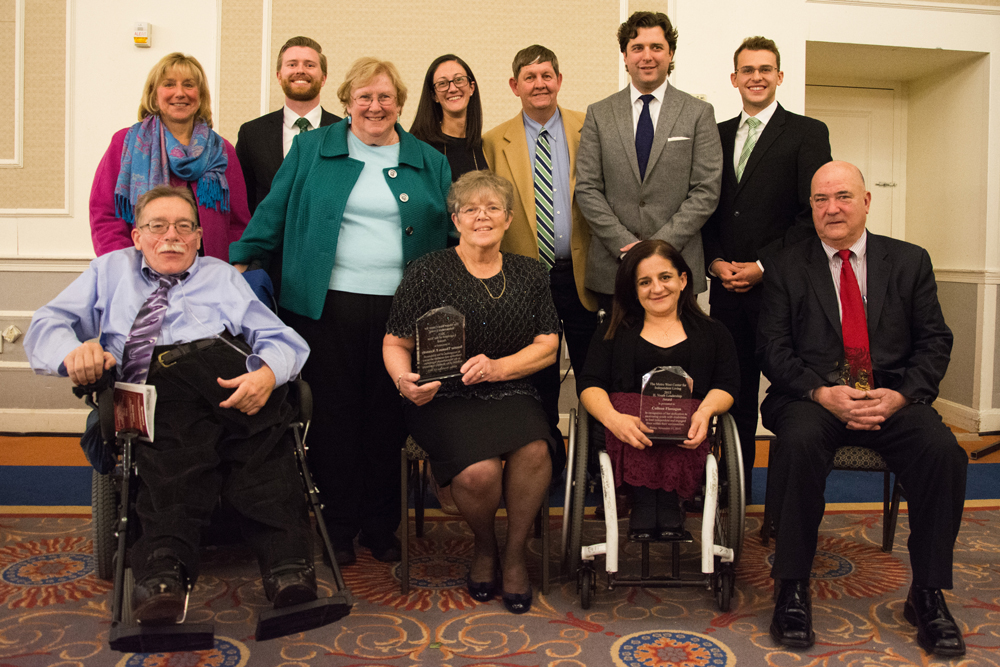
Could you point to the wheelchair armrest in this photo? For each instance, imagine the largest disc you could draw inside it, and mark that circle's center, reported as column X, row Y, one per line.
column 305, row 399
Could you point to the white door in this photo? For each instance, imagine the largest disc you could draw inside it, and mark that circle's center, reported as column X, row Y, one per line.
column 861, row 122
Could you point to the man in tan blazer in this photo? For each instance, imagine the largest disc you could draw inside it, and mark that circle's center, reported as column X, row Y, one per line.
column 511, row 149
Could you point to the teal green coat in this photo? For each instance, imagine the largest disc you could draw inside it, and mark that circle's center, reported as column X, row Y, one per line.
column 302, row 213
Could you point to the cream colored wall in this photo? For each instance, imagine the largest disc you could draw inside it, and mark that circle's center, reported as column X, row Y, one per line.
column 39, row 182
column 412, row 33
column 948, row 117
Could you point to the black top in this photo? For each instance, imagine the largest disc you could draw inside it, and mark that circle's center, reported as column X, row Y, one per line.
column 461, row 158
column 494, row 327
column 618, row 364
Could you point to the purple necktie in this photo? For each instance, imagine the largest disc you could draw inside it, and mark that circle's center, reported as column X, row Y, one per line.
column 142, row 337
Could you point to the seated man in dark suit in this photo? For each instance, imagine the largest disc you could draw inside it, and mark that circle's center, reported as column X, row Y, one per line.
column 852, row 338
column 219, row 366
column 263, row 143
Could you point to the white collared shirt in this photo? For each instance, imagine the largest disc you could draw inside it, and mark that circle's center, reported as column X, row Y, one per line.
column 654, row 104
column 288, row 129
column 743, row 131
column 859, row 262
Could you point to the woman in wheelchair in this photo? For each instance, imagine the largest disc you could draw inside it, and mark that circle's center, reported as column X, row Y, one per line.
column 656, row 321
column 485, row 430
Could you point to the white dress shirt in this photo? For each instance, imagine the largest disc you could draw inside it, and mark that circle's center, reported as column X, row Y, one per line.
column 743, row 131
column 288, row 129
column 654, row 104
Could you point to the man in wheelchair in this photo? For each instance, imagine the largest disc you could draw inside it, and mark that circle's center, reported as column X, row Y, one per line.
column 219, row 360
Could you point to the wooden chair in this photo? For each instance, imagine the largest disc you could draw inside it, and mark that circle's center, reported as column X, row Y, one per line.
column 413, row 472
column 857, row 459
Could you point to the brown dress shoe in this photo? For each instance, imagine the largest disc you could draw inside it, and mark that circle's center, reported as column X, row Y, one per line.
column 937, row 632
column 791, row 624
column 290, row 582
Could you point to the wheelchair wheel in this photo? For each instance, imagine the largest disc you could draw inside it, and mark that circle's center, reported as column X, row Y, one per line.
column 586, row 586
column 724, row 582
column 730, row 511
column 578, row 493
column 104, row 516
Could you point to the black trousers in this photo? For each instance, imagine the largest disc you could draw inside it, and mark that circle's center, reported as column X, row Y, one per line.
column 917, row 446
column 579, row 325
column 742, row 324
column 202, row 451
column 357, row 429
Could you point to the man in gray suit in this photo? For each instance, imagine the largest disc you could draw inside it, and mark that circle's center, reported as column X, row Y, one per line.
column 650, row 160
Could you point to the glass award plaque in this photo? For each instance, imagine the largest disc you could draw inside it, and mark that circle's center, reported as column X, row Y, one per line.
column 440, row 344
column 665, row 403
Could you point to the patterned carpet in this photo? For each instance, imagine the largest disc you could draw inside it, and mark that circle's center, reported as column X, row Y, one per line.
column 53, row 611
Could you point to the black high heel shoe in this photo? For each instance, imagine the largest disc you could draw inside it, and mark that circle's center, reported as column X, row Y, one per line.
column 642, row 519
column 517, row 603
column 669, row 516
column 484, row 591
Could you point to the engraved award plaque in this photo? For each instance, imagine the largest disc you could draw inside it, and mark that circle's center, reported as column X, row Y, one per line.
column 440, row 344
column 665, row 404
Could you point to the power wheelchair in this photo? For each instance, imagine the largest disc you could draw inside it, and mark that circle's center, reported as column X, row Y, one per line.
column 721, row 529
column 115, row 528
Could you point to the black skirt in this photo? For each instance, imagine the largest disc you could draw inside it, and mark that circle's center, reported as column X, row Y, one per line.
column 457, row 432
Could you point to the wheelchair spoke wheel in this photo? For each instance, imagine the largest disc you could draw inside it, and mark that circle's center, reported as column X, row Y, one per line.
column 104, row 511
column 724, row 582
column 730, row 511
column 578, row 494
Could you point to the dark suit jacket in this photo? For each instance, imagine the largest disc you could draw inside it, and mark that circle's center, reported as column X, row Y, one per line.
column 755, row 214
column 260, row 152
column 799, row 340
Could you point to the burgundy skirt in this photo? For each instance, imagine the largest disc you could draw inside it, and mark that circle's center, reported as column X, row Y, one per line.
column 663, row 466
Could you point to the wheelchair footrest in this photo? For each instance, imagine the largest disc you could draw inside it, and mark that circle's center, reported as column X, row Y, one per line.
column 161, row 638
column 301, row 617
column 685, row 536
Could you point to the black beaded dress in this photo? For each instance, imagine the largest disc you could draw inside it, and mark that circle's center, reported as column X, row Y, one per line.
column 503, row 314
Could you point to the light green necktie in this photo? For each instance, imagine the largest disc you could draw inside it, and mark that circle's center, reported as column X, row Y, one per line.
column 751, row 141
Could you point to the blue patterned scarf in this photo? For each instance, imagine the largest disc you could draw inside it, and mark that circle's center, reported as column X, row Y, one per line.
column 151, row 154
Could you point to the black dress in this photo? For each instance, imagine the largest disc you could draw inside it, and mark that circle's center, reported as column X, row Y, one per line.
column 461, row 158
column 466, row 424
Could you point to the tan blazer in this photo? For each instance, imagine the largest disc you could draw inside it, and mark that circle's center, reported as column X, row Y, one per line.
column 506, row 150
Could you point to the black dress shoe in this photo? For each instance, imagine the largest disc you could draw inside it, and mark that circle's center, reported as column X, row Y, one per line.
column 791, row 624
column 517, row 603
column 158, row 598
column 290, row 582
column 386, row 550
column 344, row 554
column 937, row 632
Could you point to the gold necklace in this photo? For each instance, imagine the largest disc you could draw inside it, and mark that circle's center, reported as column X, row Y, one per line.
column 501, row 291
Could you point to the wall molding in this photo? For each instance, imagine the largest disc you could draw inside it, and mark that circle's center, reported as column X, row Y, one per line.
column 44, row 265
column 17, row 160
column 966, row 418
column 16, row 420
column 66, row 210
column 912, row 4
column 968, row 276
column 265, row 58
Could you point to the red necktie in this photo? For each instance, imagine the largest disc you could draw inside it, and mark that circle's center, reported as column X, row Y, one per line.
column 854, row 325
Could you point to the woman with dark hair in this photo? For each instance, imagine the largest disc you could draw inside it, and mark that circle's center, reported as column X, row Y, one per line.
column 656, row 321
column 450, row 115
column 172, row 144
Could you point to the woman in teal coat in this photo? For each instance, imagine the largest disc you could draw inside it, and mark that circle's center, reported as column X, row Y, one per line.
column 351, row 206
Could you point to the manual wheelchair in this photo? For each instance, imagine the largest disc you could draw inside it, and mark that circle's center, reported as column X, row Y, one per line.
column 722, row 524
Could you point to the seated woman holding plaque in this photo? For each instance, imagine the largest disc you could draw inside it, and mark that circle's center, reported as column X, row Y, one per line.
column 483, row 427
column 655, row 322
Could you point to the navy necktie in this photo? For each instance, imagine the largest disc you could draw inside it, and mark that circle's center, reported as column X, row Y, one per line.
column 644, row 135
column 141, row 340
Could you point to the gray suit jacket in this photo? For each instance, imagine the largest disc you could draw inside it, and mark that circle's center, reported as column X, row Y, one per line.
column 679, row 193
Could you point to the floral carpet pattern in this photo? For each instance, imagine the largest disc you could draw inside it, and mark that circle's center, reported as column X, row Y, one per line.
column 55, row 612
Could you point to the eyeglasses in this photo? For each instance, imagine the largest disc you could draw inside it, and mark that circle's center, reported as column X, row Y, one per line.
column 459, row 81
column 492, row 210
column 384, row 100
column 159, row 227
column 763, row 69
